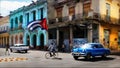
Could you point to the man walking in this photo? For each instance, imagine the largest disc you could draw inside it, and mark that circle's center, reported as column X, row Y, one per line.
column 7, row 50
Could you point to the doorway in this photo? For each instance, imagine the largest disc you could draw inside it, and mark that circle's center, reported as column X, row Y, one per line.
column 28, row 41
column 42, row 41
column 34, row 41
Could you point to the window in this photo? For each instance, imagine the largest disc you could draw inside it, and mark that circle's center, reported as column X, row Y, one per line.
column 21, row 19
column 27, row 17
column 59, row 12
column 119, row 38
column 109, row 1
column 119, row 16
column 107, row 12
column 97, row 46
column 11, row 23
column 4, row 28
column 34, row 15
column 7, row 27
column 106, row 36
column 42, row 13
column 86, row 8
column 71, row 10
column 16, row 22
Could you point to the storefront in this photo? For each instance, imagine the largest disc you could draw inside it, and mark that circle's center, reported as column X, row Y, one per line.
column 64, row 36
column 110, row 36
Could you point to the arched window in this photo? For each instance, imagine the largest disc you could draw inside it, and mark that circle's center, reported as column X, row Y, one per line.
column 21, row 19
column 16, row 22
column 16, row 39
column 21, row 39
column 34, row 15
column 11, row 24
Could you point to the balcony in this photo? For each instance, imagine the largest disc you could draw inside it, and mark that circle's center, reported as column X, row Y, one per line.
column 90, row 16
column 52, row 21
column 58, row 3
column 16, row 28
column 101, row 17
column 72, row 2
column 65, row 19
column 59, row 19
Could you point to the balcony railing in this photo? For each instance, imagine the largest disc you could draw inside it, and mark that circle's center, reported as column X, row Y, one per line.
column 16, row 28
column 93, row 16
column 52, row 21
column 66, row 19
column 111, row 20
column 59, row 2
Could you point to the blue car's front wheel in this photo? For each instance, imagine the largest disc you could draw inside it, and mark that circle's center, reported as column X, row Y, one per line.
column 75, row 57
column 88, row 56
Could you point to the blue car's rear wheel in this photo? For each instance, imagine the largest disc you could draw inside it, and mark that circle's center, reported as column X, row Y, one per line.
column 104, row 55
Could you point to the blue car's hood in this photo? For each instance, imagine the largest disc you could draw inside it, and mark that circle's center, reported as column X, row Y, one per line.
column 77, row 49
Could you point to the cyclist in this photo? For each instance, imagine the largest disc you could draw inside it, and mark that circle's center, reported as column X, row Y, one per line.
column 51, row 49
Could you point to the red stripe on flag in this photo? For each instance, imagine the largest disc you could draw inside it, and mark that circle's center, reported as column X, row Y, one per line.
column 44, row 24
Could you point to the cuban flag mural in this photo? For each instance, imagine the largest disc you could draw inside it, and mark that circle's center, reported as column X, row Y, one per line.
column 38, row 24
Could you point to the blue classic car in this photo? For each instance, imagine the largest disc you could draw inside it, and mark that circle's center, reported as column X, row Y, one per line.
column 89, row 50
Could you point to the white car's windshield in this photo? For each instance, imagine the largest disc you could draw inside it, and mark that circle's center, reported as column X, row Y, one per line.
column 17, row 45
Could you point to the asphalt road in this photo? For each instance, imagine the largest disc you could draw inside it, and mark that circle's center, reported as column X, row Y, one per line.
column 37, row 59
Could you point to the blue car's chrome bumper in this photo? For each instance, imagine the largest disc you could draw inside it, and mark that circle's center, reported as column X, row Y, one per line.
column 78, row 54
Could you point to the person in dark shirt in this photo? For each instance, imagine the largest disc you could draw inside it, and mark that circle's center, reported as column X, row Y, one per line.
column 7, row 50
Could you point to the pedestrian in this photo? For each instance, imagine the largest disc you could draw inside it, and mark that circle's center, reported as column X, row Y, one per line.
column 63, row 48
column 7, row 50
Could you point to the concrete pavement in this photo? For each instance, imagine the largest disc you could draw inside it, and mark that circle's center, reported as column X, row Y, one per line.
column 36, row 58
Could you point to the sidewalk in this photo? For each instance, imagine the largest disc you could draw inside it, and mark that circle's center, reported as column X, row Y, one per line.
column 113, row 52
column 2, row 51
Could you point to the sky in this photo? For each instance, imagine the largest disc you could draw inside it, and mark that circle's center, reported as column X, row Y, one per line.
column 10, row 5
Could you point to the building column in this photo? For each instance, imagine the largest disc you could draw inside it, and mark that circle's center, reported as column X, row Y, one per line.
column 46, row 41
column 90, row 33
column 71, row 37
column 57, row 37
column 10, row 40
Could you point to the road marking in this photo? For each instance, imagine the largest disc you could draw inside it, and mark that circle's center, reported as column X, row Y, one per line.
column 11, row 59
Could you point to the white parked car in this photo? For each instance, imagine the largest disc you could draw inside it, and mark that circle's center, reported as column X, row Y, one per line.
column 19, row 48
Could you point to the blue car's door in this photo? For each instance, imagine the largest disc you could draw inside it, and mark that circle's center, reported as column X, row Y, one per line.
column 97, row 50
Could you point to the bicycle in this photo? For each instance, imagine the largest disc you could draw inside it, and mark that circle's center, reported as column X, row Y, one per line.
column 47, row 55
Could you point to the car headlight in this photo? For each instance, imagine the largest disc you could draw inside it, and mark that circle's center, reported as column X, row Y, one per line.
column 83, row 50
